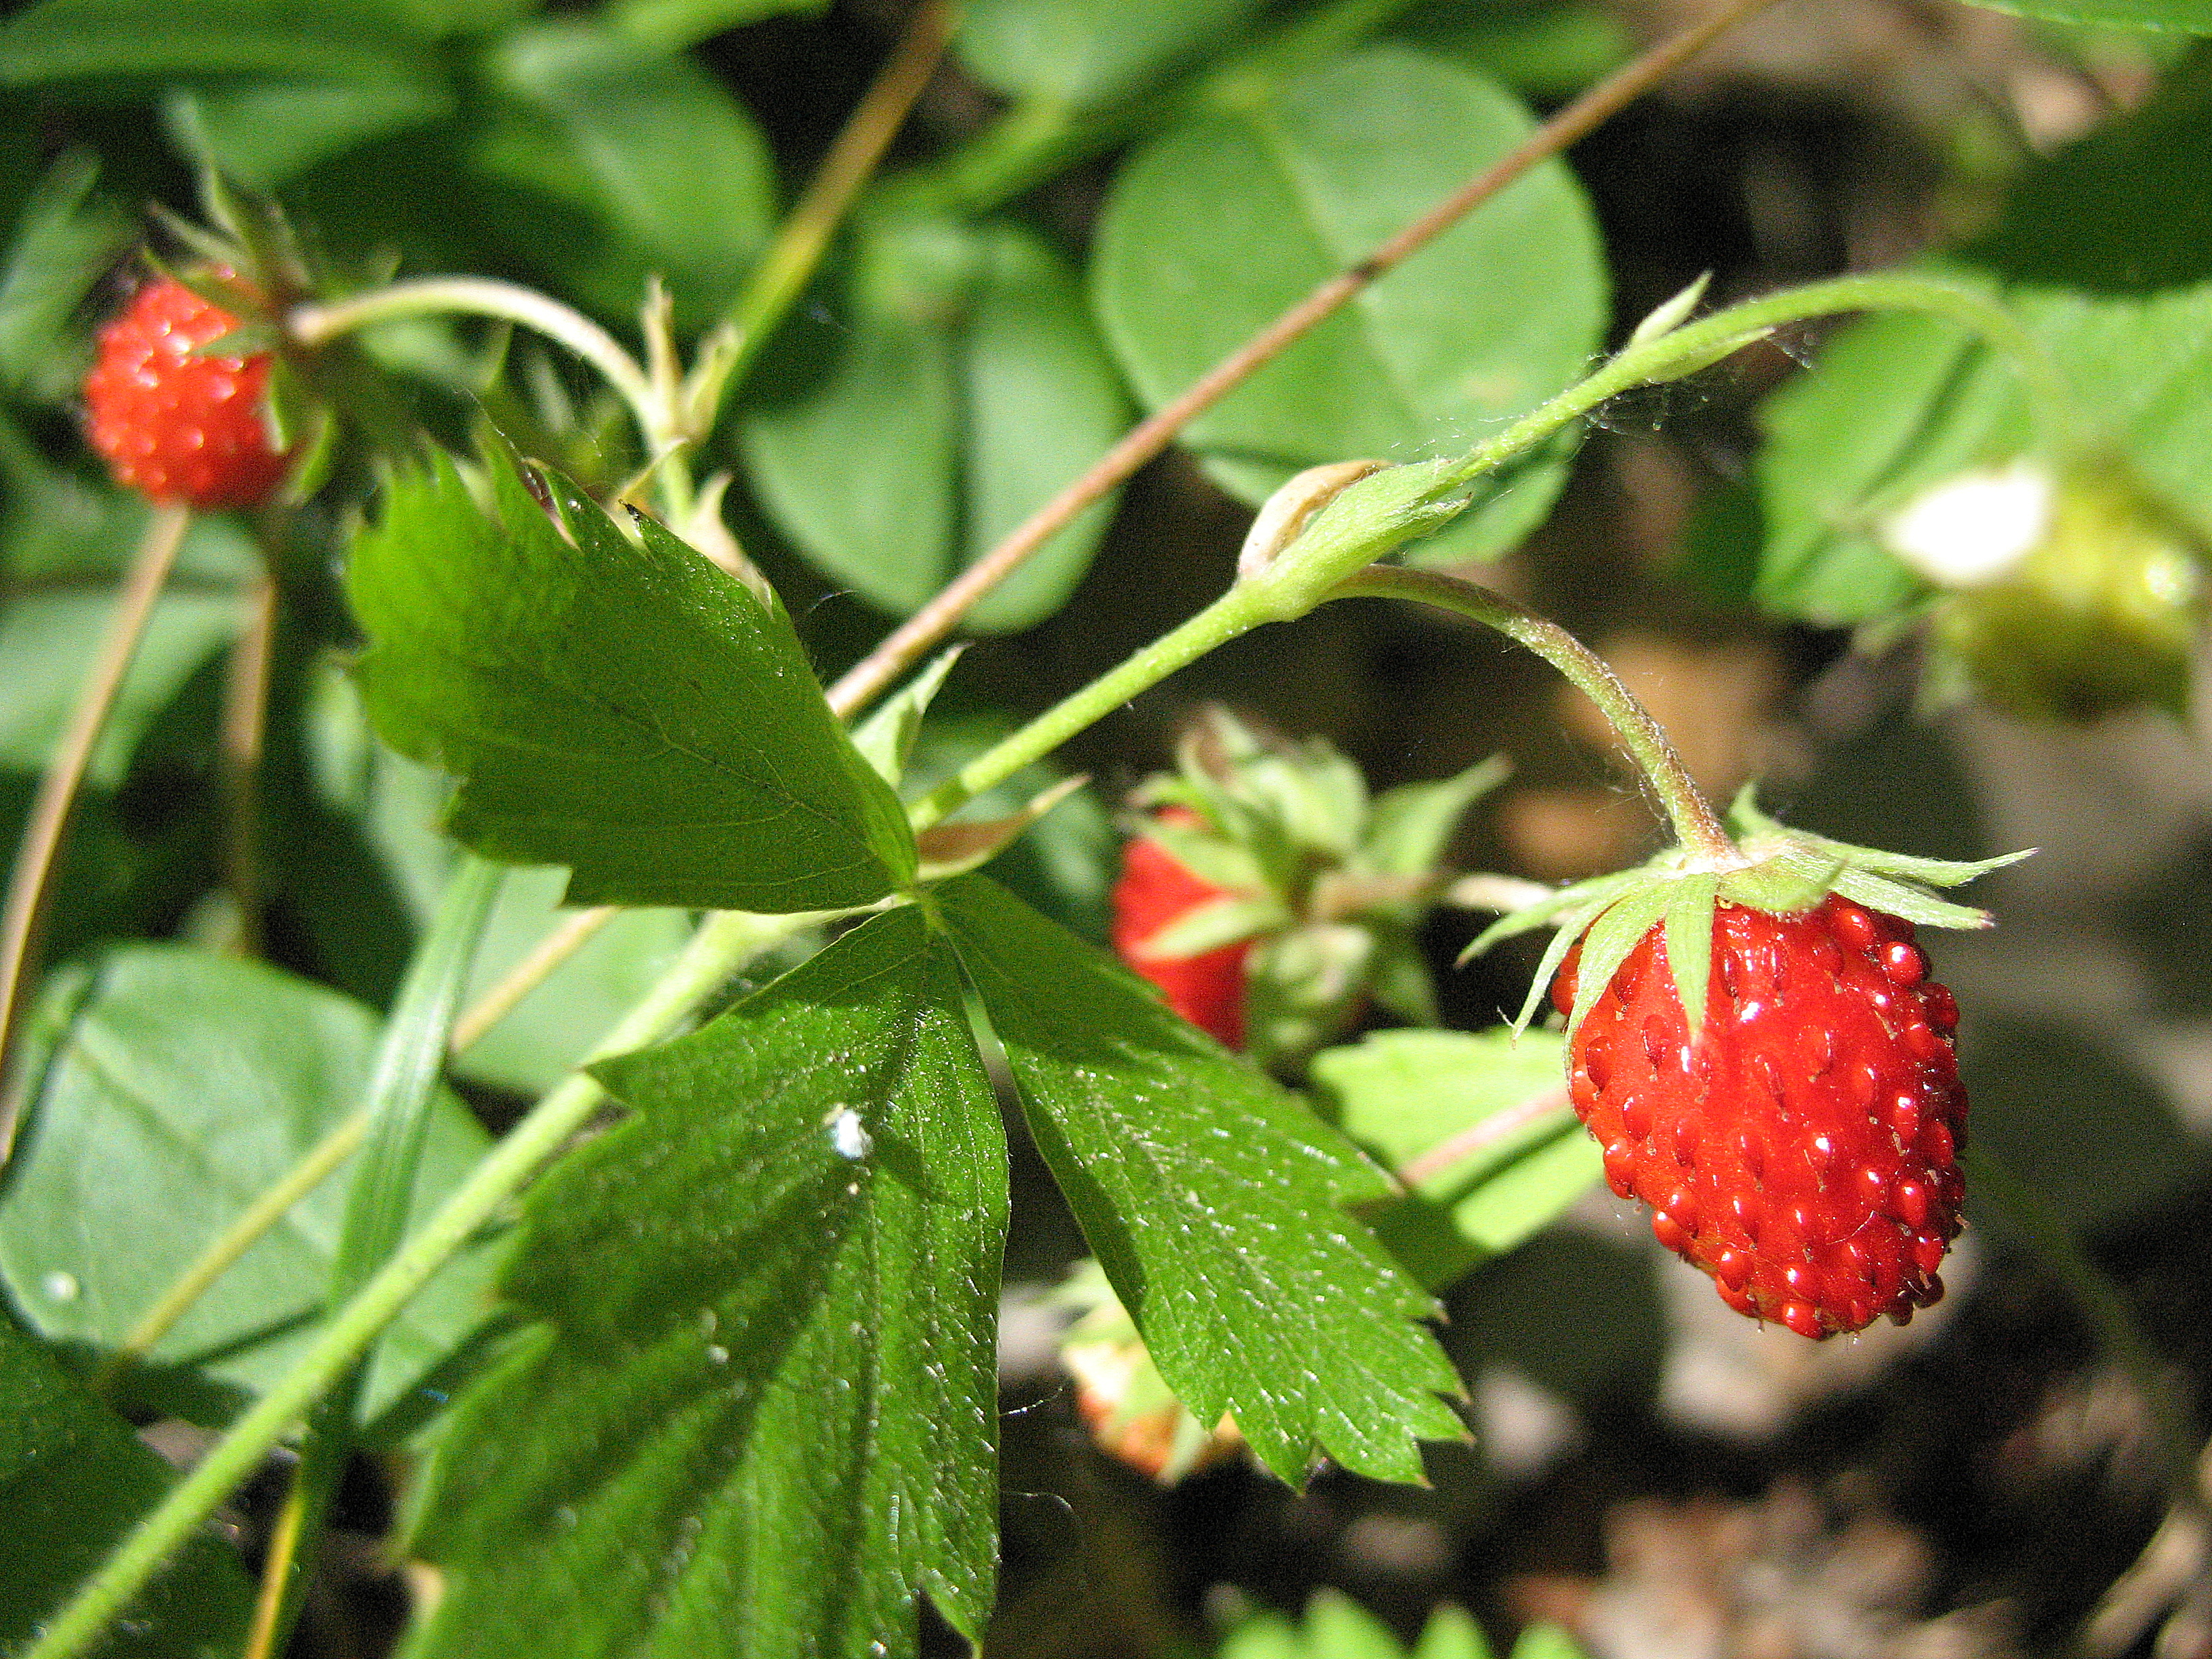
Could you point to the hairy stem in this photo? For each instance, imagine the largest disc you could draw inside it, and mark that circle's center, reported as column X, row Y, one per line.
column 905, row 646
column 30, row 885
column 1697, row 826
column 722, row 944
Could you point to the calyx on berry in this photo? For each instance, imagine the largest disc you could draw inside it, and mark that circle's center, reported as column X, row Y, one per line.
column 1326, row 883
column 1782, row 871
column 2068, row 592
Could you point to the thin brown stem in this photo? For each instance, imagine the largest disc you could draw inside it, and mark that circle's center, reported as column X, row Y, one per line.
column 868, row 678
column 1478, row 1136
column 245, row 720
column 30, row 885
column 797, row 250
column 527, row 975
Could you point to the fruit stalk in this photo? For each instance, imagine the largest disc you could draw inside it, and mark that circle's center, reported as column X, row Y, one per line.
column 1696, row 825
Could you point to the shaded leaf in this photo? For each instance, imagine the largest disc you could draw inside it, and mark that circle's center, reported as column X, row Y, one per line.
column 968, row 372
column 634, row 712
column 654, row 151
column 74, row 39
column 760, row 1413
column 184, row 1086
column 1213, row 1199
column 1217, row 226
column 73, row 1479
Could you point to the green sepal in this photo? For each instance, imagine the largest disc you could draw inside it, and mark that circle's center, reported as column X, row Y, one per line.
column 1755, row 827
column 886, row 738
column 1585, row 898
column 1412, row 825
column 1689, row 923
column 1610, row 939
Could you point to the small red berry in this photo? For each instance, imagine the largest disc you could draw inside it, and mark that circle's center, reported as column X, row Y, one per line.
column 173, row 426
column 1801, row 1149
column 1154, row 892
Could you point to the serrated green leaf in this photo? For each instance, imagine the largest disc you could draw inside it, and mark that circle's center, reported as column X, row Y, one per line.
column 1249, row 208
column 1213, row 1199
column 665, row 165
column 966, row 370
column 1404, row 1095
column 1084, row 52
column 182, row 1087
column 633, row 712
column 73, row 1479
column 1689, row 936
column 759, row 1418
column 1411, row 825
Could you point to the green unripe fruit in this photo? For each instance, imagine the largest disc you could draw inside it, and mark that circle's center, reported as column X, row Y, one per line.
column 2099, row 610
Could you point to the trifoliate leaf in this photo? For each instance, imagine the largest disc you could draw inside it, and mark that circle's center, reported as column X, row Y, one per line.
column 632, row 712
column 758, row 1418
column 1214, row 1200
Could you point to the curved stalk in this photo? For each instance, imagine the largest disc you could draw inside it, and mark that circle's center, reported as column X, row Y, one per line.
column 1696, row 825
column 485, row 296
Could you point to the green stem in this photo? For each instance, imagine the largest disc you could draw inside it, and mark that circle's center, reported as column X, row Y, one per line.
column 1683, row 350
column 484, row 296
column 400, row 1093
column 1234, row 612
column 1697, row 826
column 723, row 943
column 2021, row 1210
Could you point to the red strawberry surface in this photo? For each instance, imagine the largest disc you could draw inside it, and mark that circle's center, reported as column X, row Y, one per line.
column 172, row 426
column 1801, row 1149
column 1154, row 892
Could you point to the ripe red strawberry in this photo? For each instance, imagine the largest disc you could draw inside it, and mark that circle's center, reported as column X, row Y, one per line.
column 1154, row 891
column 1797, row 1136
column 173, row 426
column 1801, row 1148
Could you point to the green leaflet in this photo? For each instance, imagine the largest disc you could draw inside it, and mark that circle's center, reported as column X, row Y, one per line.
column 73, row 1479
column 1210, row 1196
column 629, row 711
column 760, row 1402
column 181, row 1086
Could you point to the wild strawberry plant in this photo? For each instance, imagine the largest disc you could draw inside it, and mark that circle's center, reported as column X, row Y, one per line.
column 698, row 1354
